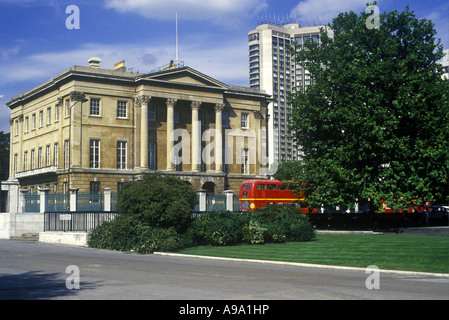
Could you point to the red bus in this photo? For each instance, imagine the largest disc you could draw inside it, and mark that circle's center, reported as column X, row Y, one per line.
column 422, row 207
column 257, row 193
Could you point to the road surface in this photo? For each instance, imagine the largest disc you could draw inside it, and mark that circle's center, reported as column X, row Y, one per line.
column 33, row 270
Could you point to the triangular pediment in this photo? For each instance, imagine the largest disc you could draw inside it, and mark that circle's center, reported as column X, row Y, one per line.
column 187, row 76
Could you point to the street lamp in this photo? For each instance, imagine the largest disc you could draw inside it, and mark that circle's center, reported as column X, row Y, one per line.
column 77, row 97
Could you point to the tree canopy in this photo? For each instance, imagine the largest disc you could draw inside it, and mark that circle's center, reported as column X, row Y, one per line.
column 374, row 123
column 4, row 155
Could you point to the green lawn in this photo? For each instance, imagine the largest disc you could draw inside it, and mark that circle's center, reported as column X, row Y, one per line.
column 411, row 253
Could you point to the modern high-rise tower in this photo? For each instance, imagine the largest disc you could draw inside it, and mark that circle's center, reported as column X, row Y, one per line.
column 272, row 68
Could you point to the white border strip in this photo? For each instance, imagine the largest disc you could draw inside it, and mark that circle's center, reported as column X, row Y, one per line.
column 305, row 265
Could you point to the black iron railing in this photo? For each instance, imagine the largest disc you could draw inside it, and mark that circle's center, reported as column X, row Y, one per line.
column 76, row 221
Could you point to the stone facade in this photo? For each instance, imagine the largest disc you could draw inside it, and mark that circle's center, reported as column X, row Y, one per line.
column 91, row 128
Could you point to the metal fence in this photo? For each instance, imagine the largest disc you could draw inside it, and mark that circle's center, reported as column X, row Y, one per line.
column 58, row 202
column 76, row 221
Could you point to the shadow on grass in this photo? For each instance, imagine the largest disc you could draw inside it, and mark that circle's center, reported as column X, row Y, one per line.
column 37, row 286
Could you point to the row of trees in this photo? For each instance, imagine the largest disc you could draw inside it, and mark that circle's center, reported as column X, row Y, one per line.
column 374, row 124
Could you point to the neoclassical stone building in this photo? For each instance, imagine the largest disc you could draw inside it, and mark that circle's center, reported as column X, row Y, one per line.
column 91, row 128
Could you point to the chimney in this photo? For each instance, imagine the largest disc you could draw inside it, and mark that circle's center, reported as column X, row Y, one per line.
column 94, row 62
column 120, row 66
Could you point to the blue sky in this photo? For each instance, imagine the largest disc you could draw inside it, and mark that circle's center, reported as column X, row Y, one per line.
column 36, row 45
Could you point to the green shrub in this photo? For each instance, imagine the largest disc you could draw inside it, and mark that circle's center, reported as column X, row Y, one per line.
column 218, row 228
column 283, row 223
column 157, row 239
column 158, row 201
column 154, row 213
column 253, row 233
column 272, row 224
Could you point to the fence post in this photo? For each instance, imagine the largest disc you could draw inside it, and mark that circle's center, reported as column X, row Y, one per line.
column 107, row 199
column 12, row 186
column 229, row 200
column 22, row 195
column 202, row 200
column 73, row 198
column 43, row 199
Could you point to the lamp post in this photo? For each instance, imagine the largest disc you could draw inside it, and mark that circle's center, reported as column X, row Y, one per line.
column 75, row 96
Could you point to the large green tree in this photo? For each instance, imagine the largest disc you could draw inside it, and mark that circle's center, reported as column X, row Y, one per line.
column 374, row 124
column 4, row 155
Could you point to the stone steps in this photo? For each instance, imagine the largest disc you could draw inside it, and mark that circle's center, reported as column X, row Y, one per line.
column 27, row 237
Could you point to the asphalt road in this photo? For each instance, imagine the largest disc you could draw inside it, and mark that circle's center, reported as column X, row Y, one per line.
column 33, row 270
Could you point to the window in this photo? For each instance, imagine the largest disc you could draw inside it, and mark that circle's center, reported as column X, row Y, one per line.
column 47, row 156
column 27, row 124
column 225, row 119
column 244, row 118
column 271, row 187
column 260, row 187
column 33, row 159
column 95, row 191
column 94, row 154
column 151, row 112
column 245, row 161
column 16, row 161
column 67, row 108
column 66, row 154
column 121, row 154
column 57, row 108
column 152, row 159
column 41, row 118
column 56, row 155
column 25, row 161
column 176, row 115
column 49, row 115
column 121, row 109
column 94, row 107
column 178, row 161
column 33, row 121
column 39, row 157
column 16, row 127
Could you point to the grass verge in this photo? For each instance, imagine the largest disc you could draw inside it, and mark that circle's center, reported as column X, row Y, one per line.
column 409, row 253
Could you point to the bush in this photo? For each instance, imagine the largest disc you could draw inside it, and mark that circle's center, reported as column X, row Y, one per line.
column 283, row 223
column 275, row 224
column 253, row 233
column 218, row 228
column 154, row 213
column 158, row 201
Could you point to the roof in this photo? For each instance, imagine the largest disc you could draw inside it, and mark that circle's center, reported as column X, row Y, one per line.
column 178, row 76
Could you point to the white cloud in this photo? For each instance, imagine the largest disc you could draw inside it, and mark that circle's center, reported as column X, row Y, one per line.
column 222, row 62
column 214, row 10
column 323, row 11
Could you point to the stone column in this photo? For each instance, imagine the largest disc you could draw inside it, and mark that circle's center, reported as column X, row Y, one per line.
column 170, row 128
column 202, row 200
column 229, row 200
column 143, row 102
column 218, row 137
column 43, row 199
column 196, row 134
column 107, row 199
column 73, row 199
column 22, row 200
column 12, row 186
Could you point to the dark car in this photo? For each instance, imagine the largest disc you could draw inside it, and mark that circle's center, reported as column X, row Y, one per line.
column 437, row 216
